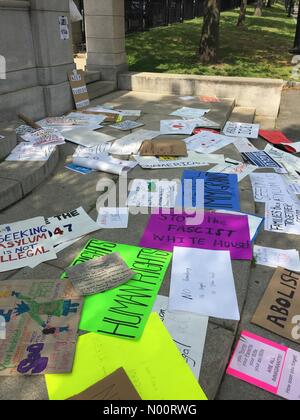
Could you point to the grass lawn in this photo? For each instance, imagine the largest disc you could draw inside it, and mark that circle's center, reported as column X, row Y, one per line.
column 259, row 49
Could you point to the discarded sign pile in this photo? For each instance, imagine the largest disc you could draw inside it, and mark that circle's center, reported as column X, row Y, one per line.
column 134, row 337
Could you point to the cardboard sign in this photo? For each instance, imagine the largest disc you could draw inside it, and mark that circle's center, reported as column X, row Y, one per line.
column 114, row 387
column 262, row 160
column 280, row 305
column 221, row 191
column 153, row 364
column 267, row 365
column 234, row 129
column 99, row 275
column 187, row 330
column 42, row 319
column 163, row 147
column 25, row 243
column 79, row 89
column 218, row 231
column 282, row 217
column 210, row 294
column 124, row 311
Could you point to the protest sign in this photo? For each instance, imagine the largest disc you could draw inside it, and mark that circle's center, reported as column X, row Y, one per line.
column 90, row 152
column 25, row 243
column 124, row 311
column 276, row 138
column 255, row 222
column 270, row 187
column 273, row 257
column 64, row 30
column 99, row 274
column 283, row 157
column 243, row 145
column 131, row 143
column 236, row 129
column 242, row 170
column 207, row 142
column 43, row 137
column 213, row 293
column 163, row 147
column 127, row 125
column 25, row 152
column 221, row 191
column 113, row 218
column 153, row 193
column 218, row 231
column 116, row 386
column 79, row 89
column 178, row 126
column 280, row 305
column 188, row 331
column 192, row 160
column 282, row 217
column 190, row 113
column 70, row 225
column 267, row 365
column 153, row 364
column 87, row 138
column 261, row 159
column 105, row 163
column 42, row 319
column 79, row 169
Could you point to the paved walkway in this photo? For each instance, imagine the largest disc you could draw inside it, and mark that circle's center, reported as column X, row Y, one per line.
column 67, row 190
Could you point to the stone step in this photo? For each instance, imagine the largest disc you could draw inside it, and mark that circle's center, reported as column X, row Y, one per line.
column 92, row 76
column 100, row 88
column 8, row 143
column 243, row 114
column 17, row 179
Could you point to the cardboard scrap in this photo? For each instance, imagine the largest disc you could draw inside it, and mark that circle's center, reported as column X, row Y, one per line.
column 114, row 387
column 42, row 318
column 280, row 305
column 163, row 147
column 99, row 275
column 79, row 89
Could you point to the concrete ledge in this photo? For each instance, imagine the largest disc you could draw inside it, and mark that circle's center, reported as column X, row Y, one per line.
column 18, row 179
column 14, row 4
column 10, row 139
column 262, row 94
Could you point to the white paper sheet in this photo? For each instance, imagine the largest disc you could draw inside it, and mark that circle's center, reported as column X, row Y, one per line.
column 190, row 113
column 202, row 282
column 153, row 193
column 25, row 243
column 207, row 142
column 90, row 152
column 242, row 170
column 282, row 217
column 192, row 160
column 127, row 125
column 255, row 222
column 284, row 157
column 131, row 144
column 71, row 225
column 187, row 330
column 44, row 137
column 233, row 129
column 270, row 187
column 271, row 257
column 87, row 138
column 105, row 163
column 89, row 122
column 28, row 152
column 244, row 145
column 113, row 218
column 130, row 112
column 182, row 127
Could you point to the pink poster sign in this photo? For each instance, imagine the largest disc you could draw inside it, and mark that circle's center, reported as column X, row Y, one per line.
column 218, row 231
column 267, row 365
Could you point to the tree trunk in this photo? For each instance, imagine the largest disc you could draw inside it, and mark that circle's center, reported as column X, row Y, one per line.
column 243, row 11
column 258, row 8
column 209, row 43
column 297, row 36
